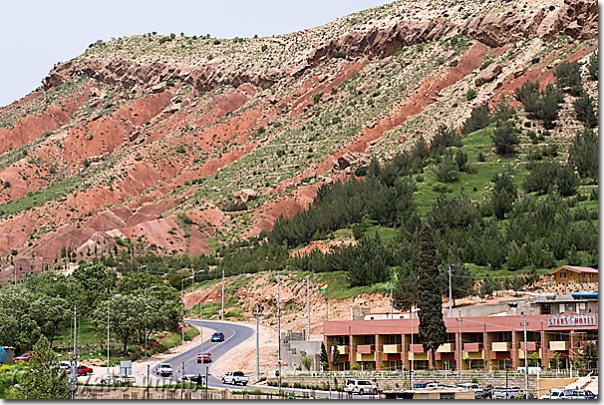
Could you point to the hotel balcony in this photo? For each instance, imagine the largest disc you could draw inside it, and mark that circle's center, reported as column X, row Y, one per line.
column 365, row 357
column 521, row 353
column 394, row 348
column 472, row 347
column 365, row 349
column 474, row 355
column 416, row 348
column 343, row 349
column 501, row 346
column 559, row 345
column 530, row 346
column 446, row 348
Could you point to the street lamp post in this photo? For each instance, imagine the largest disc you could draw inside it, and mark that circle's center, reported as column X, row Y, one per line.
column 201, row 328
column 412, row 348
column 182, row 296
column 146, row 304
column 109, row 326
column 193, row 293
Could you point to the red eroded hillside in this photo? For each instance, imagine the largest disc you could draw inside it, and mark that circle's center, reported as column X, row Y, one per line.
column 162, row 153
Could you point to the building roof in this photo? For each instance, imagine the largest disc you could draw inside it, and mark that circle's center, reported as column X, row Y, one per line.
column 576, row 269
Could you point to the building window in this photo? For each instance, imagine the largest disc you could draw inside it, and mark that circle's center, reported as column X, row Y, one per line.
column 447, row 395
column 563, row 274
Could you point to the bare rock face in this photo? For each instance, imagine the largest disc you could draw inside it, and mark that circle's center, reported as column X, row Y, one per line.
column 577, row 19
column 488, row 75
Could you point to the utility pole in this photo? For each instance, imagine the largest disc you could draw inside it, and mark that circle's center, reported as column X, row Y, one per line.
column 450, row 294
column 526, row 375
column 279, row 320
column 74, row 367
column 308, row 301
column 222, row 312
column 257, row 315
column 459, row 350
column 391, row 302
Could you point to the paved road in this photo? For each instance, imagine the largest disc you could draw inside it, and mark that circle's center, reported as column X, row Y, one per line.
column 234, row 335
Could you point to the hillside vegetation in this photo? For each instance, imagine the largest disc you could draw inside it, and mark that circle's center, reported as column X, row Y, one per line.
column 180, row 152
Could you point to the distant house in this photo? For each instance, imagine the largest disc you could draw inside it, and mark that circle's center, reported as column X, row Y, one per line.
column 575, row 274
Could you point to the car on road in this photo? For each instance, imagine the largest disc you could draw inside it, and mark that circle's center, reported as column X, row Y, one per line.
column 217, row 337
column 235, row 377
column 164, row 370
column 419, row 385
column 361, row 387
column 193, row 378
column 24, row 357
column 506, row 392
column 114, row 379
column 204, row 357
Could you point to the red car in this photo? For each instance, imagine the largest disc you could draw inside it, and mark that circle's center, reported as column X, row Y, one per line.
column 23, row 357
column 81, row 370
column 204, row 357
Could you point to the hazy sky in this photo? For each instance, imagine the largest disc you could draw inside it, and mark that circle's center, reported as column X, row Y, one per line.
column 37, row 34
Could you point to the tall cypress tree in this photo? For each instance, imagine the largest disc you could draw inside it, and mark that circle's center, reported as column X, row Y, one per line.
column 432, row 330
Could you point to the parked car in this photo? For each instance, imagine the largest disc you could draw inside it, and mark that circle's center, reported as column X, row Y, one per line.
column 419, row 385
column 360, row 387
column 164, row 370
column 558, row 393
column 506, row 392
column 235, row 377
column 217, row 337
column 194, row 378
column 64, row 365
column 485, row 393
column 114, row 378
column 581, row 394
column 23, row 357
column 204, row 357
column 83, row 370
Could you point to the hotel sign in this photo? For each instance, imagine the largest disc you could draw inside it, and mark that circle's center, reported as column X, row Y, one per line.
column 572, row 320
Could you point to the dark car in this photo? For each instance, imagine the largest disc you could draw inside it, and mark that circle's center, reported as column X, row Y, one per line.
column 486, row 393
column 194, row 378
column 419, row 385
column 217, row 337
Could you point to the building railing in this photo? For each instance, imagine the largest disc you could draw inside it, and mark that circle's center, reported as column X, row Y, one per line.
column 430, row 374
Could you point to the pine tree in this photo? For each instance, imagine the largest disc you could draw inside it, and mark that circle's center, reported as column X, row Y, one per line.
column 324, row 358
column 44, row 379
column 583, row 153
column 405, row 292
column 432, row 330
column 335, row 361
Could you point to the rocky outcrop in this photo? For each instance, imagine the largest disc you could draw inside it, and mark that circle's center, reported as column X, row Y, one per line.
column 576, row 18
column 381, row 42
column 488, row 75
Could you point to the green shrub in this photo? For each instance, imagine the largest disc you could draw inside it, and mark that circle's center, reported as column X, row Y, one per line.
column 471, row 94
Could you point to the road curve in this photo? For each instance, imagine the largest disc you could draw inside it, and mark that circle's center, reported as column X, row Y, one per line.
column 234, row 335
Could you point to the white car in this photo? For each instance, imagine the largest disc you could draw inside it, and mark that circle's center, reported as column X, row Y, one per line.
column 559, row 393
column 360, row 387
column 506, row 392
column 164, row 370
column 114, row 378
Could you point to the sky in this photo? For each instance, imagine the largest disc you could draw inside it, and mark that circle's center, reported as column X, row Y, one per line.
column 36, row 34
